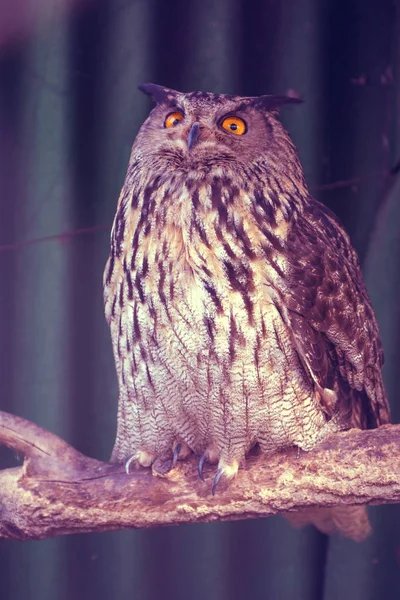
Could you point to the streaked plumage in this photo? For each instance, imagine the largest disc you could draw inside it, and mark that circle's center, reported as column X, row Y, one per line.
column 236, row 304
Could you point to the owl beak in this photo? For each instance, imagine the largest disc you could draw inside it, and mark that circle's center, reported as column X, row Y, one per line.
column 193, row 135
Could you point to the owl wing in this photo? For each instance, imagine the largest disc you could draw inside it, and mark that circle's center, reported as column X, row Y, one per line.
column 331, row 320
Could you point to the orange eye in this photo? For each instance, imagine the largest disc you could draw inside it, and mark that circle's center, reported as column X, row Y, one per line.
column 234, row 125
column 173, row 119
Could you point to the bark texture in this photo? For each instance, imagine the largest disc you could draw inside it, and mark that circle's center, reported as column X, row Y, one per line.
column 57, row 490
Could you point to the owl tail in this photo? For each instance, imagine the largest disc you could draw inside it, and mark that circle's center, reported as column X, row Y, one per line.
column 349, row 521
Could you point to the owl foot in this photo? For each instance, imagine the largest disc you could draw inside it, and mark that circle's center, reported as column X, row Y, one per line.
column 226, row 471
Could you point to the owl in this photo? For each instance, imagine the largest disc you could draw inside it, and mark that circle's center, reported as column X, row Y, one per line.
column 236, row 304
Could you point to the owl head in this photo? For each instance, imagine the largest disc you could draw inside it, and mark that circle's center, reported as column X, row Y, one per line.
column 203, row 132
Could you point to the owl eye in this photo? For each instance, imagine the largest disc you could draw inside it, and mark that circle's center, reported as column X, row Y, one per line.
column 173, row 119
column 234, row 125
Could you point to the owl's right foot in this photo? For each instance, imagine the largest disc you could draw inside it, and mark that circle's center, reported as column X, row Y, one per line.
column 159, row 465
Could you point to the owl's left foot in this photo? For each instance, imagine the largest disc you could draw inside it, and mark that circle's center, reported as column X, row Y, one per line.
column 161, row 466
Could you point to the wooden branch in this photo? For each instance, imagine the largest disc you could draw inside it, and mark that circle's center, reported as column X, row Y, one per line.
column 58, row 490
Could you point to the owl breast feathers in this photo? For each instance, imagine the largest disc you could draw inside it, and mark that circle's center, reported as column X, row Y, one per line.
column 237, row 309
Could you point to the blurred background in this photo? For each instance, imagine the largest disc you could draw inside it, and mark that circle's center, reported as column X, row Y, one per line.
column 69, row 112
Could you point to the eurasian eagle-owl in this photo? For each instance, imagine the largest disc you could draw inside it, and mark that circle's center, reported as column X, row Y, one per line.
column 236, row 304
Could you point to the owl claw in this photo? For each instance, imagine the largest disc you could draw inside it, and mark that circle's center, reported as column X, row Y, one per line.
column 129, row 462
column 177, row 450
column 217, row 478
column 201, row 465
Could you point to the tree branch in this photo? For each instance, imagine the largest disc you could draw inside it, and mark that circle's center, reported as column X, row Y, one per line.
column 58, row 490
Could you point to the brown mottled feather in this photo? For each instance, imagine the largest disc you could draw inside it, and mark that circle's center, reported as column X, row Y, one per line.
column 332, row 318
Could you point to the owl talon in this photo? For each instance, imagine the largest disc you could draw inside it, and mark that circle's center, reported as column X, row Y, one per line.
column 130, row 461
column 202, row 460
column 175, row 457
column 217, row 478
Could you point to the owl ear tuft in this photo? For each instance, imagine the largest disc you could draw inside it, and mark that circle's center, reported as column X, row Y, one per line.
column 158, row 93
column 274, row 103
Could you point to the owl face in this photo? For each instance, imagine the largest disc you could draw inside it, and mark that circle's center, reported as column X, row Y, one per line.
column 199, row 131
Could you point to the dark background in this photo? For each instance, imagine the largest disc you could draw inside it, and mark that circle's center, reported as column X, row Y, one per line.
column 69, row 111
